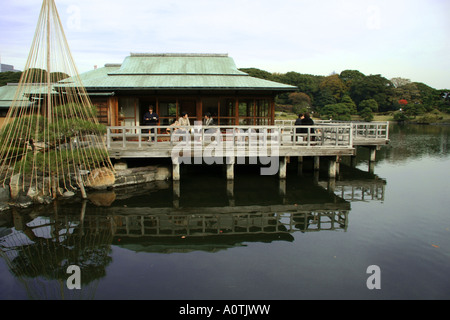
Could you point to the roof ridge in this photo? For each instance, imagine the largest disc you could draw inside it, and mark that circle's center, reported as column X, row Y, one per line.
column 133, row 54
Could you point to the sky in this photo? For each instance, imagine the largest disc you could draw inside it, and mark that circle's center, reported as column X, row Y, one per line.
column 395, row 38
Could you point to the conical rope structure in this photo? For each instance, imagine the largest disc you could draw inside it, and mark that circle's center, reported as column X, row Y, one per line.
column 51, row 140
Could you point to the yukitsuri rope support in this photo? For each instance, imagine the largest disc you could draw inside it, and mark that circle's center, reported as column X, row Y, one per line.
column 52, row 139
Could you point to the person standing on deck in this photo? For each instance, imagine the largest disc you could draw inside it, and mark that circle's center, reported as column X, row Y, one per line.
column 150, row 119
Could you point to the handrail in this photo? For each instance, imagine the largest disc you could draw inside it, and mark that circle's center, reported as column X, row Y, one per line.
column 239, row 136
column 378, row 130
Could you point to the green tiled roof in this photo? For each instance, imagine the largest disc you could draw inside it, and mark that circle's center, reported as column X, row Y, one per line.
column 184, row 64
column 176, row 71
column 8, row 93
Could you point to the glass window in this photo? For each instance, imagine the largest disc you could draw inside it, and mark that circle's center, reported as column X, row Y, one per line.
column 262, row 108
column 246, row 108
column 211, row 105
column 227, row 107
column 168, row 109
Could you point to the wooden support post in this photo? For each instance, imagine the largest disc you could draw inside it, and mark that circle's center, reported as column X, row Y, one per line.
column 353, row 161
column 175, row 170
column 300, row 166
column 338, row 165
column 371, row 167
column 230, row 168
column 373, row 153
column 283, row 167
column 332, row 167
column 316, row 163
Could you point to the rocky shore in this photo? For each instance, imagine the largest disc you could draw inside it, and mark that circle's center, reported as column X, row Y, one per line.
column 11, row 197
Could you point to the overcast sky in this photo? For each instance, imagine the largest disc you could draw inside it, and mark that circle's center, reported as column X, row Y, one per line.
column 394, row 38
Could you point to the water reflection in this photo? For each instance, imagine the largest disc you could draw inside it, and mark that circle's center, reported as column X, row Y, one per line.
column 206, row 214
column 409, row 142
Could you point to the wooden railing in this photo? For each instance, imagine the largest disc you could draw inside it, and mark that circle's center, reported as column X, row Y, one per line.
column 378, row 131
column 323, row 135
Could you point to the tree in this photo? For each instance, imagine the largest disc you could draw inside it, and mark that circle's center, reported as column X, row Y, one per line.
column 9, row 77
column 366, row 114
column 444, row 102
column 48, row 141
column 349, row 76
column 257, row 73
column 337, row 111
column 349, row 102
column 399, row 82
column 335, row 85
column 323, row 98
column 300, row 99
column 369, row 103
column 373, row 87
column 403, row 102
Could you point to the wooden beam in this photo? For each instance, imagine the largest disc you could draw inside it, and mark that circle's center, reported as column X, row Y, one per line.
column 283, row 167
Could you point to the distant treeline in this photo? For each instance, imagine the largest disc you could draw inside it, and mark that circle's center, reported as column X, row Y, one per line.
column 336, row 96
column 33, row 75
column 351, row 92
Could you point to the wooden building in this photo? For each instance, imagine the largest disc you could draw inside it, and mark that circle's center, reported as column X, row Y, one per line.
column 176, row 83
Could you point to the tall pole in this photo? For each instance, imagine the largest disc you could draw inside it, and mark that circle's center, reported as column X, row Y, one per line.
column 49, row 85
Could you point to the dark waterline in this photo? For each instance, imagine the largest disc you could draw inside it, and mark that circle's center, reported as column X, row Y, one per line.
column 255, row 238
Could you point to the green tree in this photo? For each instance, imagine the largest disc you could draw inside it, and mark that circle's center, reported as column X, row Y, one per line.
column 373, row 87
column 337, row 111
column 372, row 104
column 9, row 77
column 323, row 98
column 444, row 102
column 349, row 102
column 349, row 76
column 335, row 85
column 366, row 114
column 258, row 73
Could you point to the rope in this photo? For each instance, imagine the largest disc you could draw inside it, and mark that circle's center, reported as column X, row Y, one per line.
column 50, row 130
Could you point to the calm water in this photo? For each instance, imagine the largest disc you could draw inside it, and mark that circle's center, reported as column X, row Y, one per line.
column 256, row 238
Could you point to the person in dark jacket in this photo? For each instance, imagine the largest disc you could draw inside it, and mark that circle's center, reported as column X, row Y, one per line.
column 304, row 119
column 150, row 119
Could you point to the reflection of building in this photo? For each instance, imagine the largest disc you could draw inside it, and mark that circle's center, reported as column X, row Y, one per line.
column 176, row 83
column 169, row 217
column 39, row 251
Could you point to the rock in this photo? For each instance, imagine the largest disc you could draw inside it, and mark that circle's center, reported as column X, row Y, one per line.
column 121, row 166
column 101, row 178
column 22, row 201
column 162, row 173
column 68, row 194
column 4, row 194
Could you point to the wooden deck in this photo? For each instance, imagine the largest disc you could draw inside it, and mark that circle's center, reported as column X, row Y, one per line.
column 232, row 145
column 364, row 133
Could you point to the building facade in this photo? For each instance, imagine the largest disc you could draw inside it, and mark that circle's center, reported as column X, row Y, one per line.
column 177, row 83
